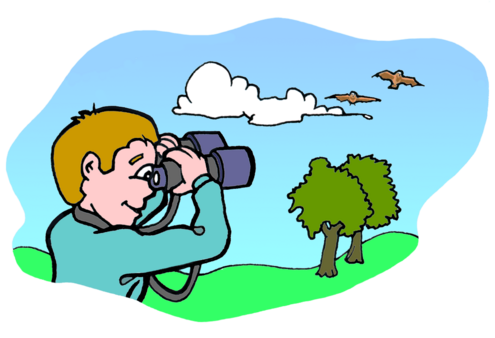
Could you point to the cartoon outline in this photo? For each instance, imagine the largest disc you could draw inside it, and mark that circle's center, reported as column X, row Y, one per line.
column 301, row 120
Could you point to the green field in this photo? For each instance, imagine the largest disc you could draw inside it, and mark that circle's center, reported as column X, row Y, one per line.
column 239, row 290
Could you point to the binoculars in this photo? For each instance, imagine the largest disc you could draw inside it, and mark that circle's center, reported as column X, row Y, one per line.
column 231, row 167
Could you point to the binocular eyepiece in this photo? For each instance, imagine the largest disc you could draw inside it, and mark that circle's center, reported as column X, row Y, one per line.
column 231, row 167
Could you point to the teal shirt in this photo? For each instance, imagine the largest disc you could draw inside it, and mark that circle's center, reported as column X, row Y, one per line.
column 116, row 260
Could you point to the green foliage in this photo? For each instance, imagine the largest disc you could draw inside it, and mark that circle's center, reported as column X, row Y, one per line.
column 374, row 176
column 330, row 194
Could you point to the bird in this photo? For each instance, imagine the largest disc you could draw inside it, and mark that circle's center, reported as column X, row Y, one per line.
column 353, row 97
column 397, row 78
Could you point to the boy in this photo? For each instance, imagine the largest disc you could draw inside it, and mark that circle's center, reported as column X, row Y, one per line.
column 101, row 163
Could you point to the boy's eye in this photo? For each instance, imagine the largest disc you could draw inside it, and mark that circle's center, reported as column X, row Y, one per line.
column 144, row 172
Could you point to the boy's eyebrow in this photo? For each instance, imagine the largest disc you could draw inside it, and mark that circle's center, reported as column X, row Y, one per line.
column 135, row 159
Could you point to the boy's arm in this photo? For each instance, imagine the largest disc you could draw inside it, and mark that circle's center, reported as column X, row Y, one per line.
column 208, row 238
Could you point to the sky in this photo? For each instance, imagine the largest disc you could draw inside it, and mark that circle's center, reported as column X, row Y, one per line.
column 427, row 133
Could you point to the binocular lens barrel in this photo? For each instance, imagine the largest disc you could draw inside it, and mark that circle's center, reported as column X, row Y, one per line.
column 231, row 167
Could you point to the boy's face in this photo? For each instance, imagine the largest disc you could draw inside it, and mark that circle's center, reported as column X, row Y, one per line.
column 119, row 196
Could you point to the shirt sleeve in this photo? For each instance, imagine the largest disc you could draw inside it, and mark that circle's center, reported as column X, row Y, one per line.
column 207, row 239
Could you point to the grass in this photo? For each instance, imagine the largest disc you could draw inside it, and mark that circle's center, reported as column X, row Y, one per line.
column 239, row 290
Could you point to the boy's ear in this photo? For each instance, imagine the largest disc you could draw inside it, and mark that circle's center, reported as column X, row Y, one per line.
column 90, row 165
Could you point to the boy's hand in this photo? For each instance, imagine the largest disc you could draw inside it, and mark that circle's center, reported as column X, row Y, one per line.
column 192, row 166
column 166, row 142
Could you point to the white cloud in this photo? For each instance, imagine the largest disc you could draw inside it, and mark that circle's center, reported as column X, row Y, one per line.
column 212, row 92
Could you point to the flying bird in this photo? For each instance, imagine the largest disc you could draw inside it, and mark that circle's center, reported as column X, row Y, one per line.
column 353, row 97
column 397, row 78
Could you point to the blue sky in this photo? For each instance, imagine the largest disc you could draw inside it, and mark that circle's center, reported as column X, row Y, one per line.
column 427, row 133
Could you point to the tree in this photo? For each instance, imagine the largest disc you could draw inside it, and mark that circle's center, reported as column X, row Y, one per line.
column 332, row 201
column 374, row 176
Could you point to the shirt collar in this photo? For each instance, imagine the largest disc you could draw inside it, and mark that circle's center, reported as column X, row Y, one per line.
column 89, row 218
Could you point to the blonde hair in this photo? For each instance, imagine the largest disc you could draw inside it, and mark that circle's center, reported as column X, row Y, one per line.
column 103, row 132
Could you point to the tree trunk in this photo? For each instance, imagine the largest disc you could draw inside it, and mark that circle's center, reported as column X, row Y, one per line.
column 355, row 253
column 327, row 265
